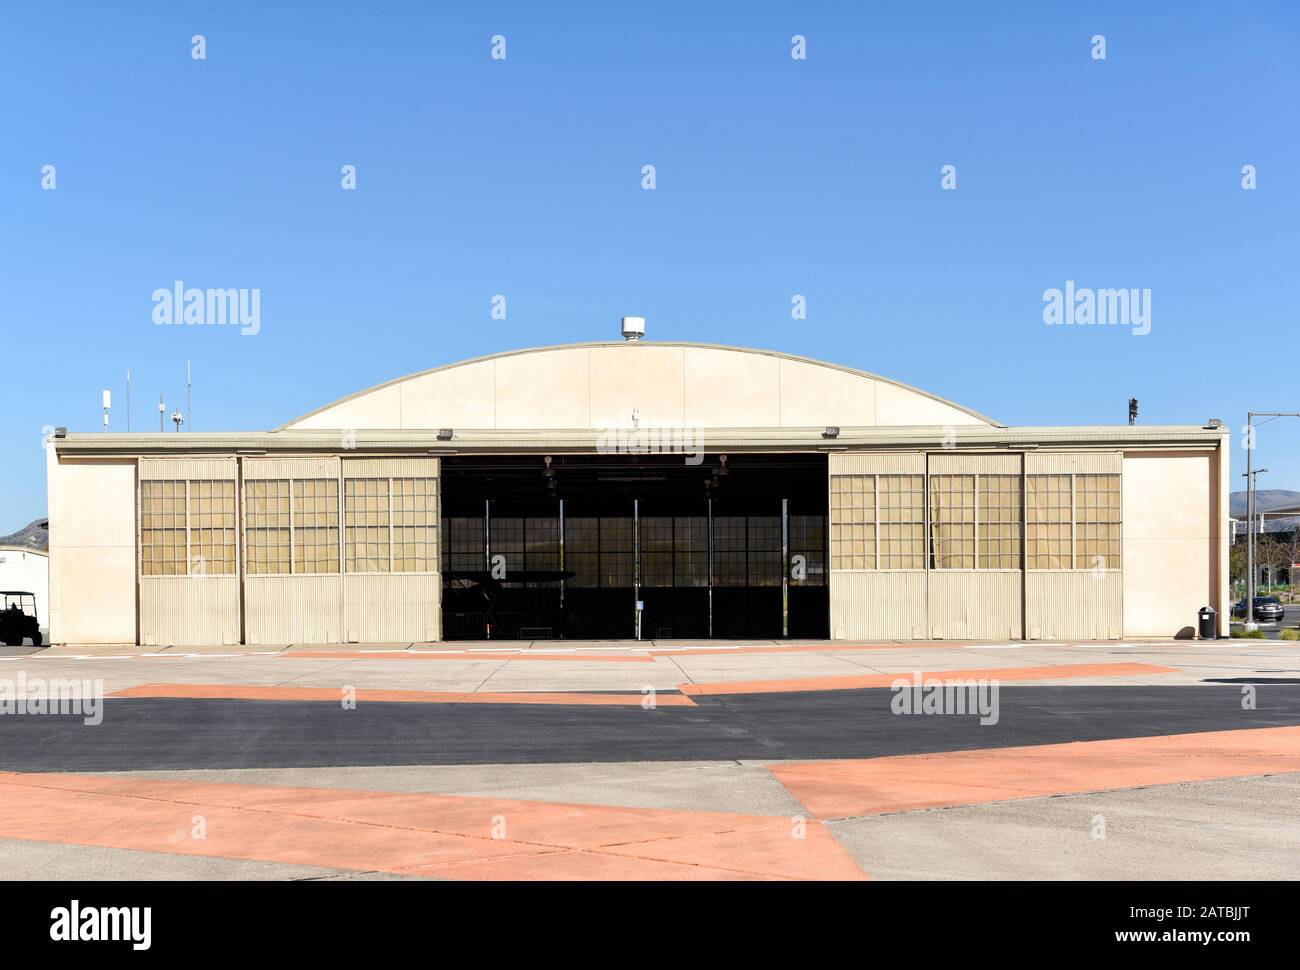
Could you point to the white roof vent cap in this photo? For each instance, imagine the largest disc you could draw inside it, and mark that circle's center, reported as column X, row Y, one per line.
column 633, row 328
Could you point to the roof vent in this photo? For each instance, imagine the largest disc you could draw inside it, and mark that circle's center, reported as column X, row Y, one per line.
column 633, row 328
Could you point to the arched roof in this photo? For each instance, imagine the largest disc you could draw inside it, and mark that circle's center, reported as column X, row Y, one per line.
column 616, row 385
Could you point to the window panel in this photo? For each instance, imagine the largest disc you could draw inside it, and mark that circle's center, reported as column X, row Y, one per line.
column 415, row 525
column 1097, row 522
column 952, row 521
column 616, row 551
column 508, row 542
column 729, row 567
column 266, row 531
column 542, row 545
column 902, row 521
column 657, row 551
column 808, row 539
column 162, row 533
column 315, row 525
column 582, row 552
column 212, row 528
column 1000, row 512
column 691, row 551
column 366, row 525
column 1048, row 521
column 763, row 549
column 853, row 522
column 462, row 547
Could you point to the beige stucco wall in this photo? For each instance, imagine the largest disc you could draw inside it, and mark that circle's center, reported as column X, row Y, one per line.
column 667, row 385
column 92, row 550
column 1171, row 541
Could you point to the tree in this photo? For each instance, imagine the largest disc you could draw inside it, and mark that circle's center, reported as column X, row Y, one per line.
column 1237, row 563
column 1289, row 543
column 1271, row 554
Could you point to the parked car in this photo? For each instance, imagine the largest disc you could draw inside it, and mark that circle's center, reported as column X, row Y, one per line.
column 18, row 618
column 1267, row 608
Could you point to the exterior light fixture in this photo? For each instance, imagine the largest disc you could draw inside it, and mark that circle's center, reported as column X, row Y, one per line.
column 444, row 434
column 831, row 432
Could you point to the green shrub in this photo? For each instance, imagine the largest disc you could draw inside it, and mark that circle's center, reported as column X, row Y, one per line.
column 1254, row 634
column 1291, row 633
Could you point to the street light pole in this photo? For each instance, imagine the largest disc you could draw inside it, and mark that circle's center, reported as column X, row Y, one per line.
column 1250, row 549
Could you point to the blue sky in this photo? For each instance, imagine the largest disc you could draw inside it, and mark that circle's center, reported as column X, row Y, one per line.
column 522, row 177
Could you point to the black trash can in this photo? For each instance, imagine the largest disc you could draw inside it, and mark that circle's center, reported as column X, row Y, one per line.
column 1208, row 627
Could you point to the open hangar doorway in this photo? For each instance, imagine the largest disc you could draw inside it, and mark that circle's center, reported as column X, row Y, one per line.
column 569, row 546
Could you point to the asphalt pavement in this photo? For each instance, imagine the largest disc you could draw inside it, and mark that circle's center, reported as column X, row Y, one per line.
column 167, row 733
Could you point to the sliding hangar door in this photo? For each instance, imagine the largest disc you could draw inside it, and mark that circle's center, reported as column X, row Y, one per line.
column 976, row 546
column 270, row 550
column 620, row 547
column 287, row 550
column 262, row 550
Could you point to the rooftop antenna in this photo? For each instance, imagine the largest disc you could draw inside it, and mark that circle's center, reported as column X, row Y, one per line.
column 1132, row 411
column 189, row 414
column 162, row 413
column 128, row 400
column 177, row 418
column 108, row 402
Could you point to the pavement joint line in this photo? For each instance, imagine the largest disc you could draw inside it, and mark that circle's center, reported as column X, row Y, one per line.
column 689, row 678
column 490, row 675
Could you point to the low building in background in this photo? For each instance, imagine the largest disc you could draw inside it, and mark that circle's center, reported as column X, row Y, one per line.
column 27, row 570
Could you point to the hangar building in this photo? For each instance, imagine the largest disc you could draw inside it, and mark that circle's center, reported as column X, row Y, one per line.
column 616, row 490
